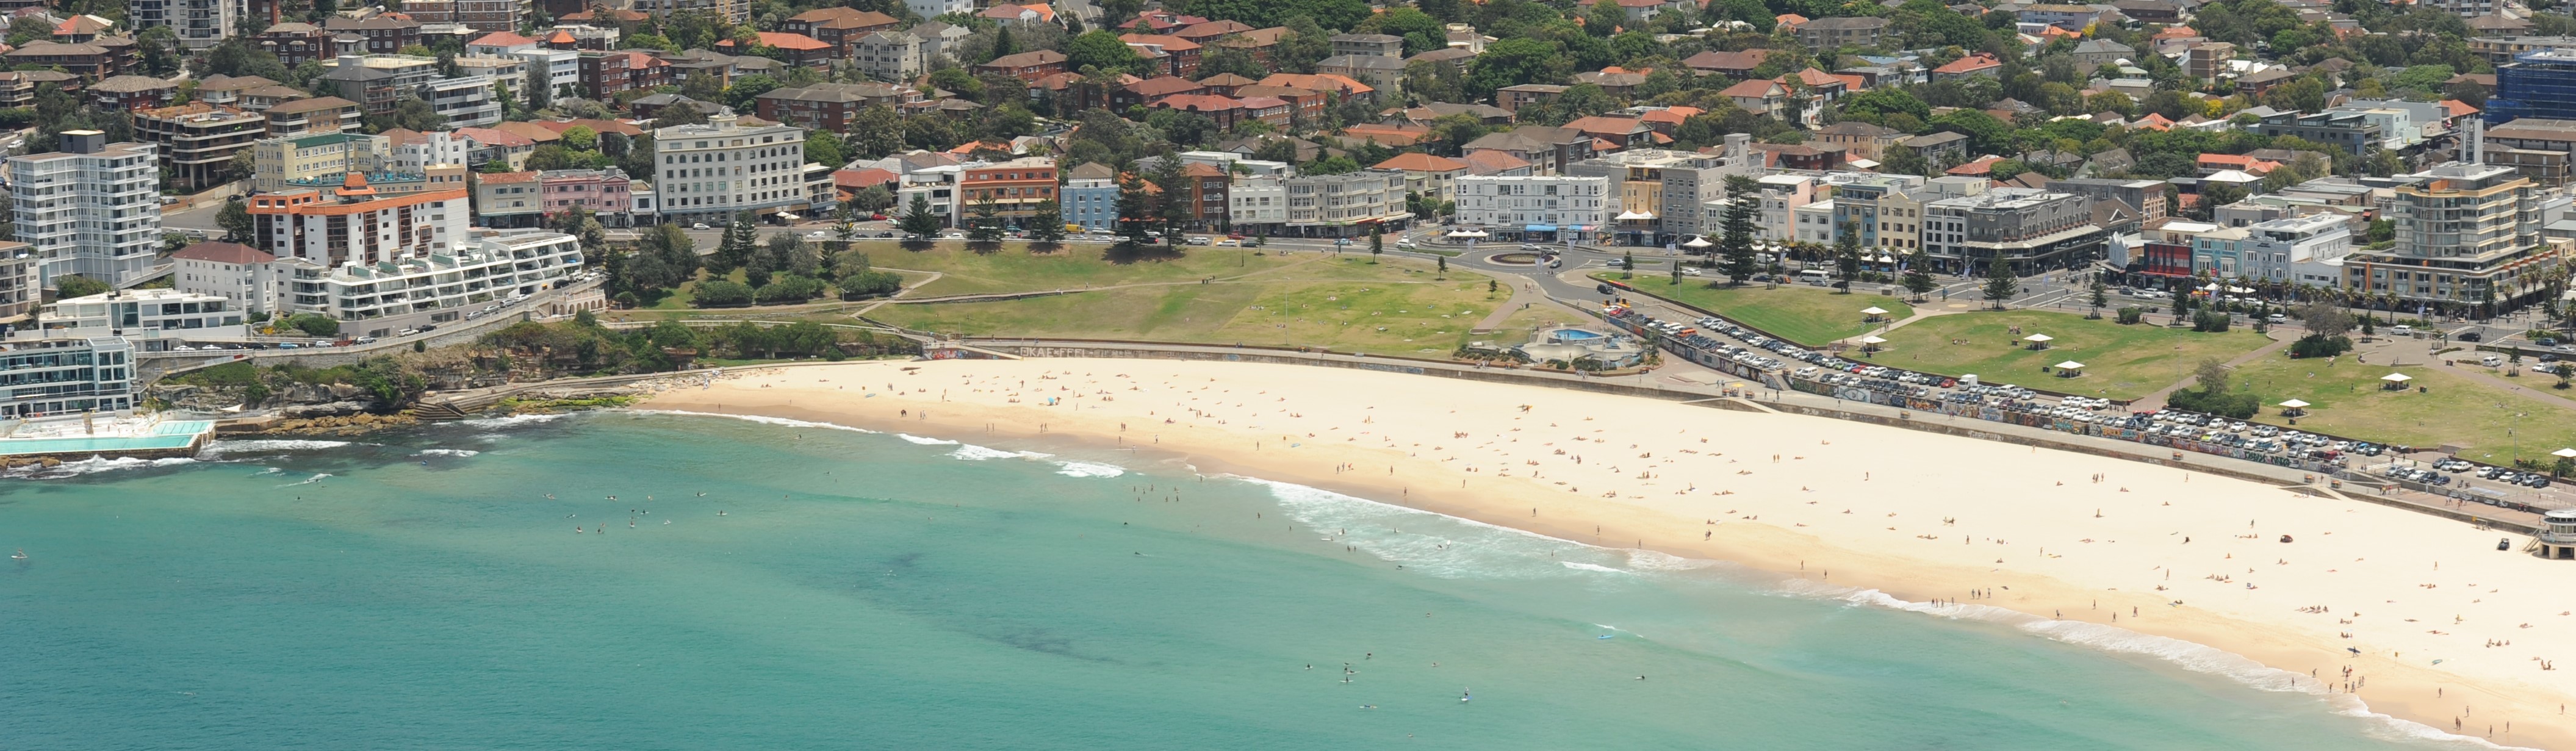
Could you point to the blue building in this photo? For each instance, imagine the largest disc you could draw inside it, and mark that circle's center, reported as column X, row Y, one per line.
column 2539, row 83
column 1091, row 197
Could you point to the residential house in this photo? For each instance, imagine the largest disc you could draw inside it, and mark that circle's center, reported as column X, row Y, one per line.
column 1759, row 96
column 131, row 92
column 1979, row 64
column 840, row 27
column 1512, row 98
column 1860, row 140
column 1736, row 64
column 1384, row 73
column 1432, row 177
column 386, row 34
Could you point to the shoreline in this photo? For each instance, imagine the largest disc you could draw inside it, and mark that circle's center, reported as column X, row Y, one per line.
column 1885, row 532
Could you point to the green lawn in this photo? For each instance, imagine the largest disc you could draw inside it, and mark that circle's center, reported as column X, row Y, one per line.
column 2123, row 362
column 1014, row 269
column 1813, row 316
column 2347, row 400
column 1414, row 317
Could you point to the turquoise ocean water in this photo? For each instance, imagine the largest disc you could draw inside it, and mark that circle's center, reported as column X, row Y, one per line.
column 875, row 591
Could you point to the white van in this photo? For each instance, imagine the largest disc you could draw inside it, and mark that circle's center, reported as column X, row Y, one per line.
column 2491, row 360
column 1816, row 277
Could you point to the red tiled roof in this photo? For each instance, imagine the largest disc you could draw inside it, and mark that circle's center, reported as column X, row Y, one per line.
column 1420, row 162
column 223, row 252
column 860, row 179
column 1979, row 61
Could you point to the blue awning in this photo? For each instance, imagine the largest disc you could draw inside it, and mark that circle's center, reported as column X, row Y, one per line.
column 1539, row 228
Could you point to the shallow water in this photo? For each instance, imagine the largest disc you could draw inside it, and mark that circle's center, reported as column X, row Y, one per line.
column 844, row 589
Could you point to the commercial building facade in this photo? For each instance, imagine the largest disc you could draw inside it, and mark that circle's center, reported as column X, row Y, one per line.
column 1537, row 208
column 2031, row 230
column 2467, row 235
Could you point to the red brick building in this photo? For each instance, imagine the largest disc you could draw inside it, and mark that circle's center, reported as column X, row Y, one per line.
column 1180, row 57
column 605, row 74
column 799, row 49
column 1026, row 66
column 1015, row 187
column 1146, row 91
column 1225, row 111
column 838, row 26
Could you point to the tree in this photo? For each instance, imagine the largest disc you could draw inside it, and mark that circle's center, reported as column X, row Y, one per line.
column 1046, row 225
column 986, row 226
column 741, row 240
column 2213, row 375
column 1847, row 255
column 1735, row 229
column 1135, row 208
column 1101, row 52
column 2000, row 282
column 1377, row 241
column 74, row 285
column 236, row 220
column 824, row 147
column 410, row 113
column 540, row 96
column 1627, row 265
column 2101, row 297
column 1918, row 273
column 918, row 220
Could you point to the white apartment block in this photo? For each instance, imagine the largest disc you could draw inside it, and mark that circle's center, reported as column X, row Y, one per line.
column 1570, row 207
column 200, row 23
column 417, row 152
column 890, row 55
column 353, row 224
column 377, row 299
column 562, row 70
column 1258, row 201
column 465, row 101
column 709, row 172
column 1345, row 205
column 937, row 8
column 142, row 315
column 93, row 209
column 2279, row 250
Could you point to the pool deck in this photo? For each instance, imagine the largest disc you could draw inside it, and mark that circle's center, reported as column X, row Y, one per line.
column 67, row 439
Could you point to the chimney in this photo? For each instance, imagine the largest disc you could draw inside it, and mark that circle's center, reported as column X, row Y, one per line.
column 84, row 141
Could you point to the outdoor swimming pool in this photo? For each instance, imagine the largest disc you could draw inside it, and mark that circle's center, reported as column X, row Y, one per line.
column 164, row 436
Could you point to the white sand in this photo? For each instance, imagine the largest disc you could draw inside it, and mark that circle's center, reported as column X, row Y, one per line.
column 1917, row 515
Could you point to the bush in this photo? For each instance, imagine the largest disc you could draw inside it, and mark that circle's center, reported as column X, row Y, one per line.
column 2235, row 406
column 314, row 324
column 723, row 293
column 790, row 288
column 70, row 286
column 2132, row 314
column 2210, row 321
column 869, row 284
column 2315, row 345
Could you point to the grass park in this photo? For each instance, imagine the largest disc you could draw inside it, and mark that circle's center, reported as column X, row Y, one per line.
column 1811, row 316
column 1253, row 296
column 2347, row 398
column 2121, row 362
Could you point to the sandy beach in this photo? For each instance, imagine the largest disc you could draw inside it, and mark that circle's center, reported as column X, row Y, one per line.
column 2450, row 632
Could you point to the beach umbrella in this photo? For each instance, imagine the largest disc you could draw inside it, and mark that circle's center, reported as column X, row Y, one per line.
column 2568, row 453
column 2295, row 404
column 2070, row 365
column 2396, row 381
column 1873, row 339
column 2038, row 341
column 1873, row 311
column 1698, row 242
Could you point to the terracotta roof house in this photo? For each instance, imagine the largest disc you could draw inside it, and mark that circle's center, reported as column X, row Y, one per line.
column 131, row 92
column 1758, row 96
column 1621, row 132
column 799, row 49
column 499, row 43
column 1398, row 136
column 1495, row 163
column 1226, row 111
column 1860, row 139
column 839, row 26
column 1033, row 13
column 1980, row 64
column 1320, row 82
column 1737, row 64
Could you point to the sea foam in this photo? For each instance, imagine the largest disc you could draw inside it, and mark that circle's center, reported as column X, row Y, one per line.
column 763, row 419
column 1089, row 469
column 220, row 449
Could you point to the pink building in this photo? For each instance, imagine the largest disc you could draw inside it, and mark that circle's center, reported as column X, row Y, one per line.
column 600, row 191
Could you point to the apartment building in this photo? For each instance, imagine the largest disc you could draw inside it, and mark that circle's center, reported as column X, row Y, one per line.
column 830, row 106
column 1260, row 203
column 382, row 35
column 1661, row 193
column 197, row 141
column 839, row 27
column 1543, row 208
column 279, row 163
column 889, row 55
column 316, row 116
column 2466, row 235
column 1346, row 205
column 485, row 16
column 465, row 102
column 1015, row 188
column 92, row 209
column 68, row 376
column 2032, row 230
column 21, row 283
column 708, row 173
column 355, row 223
column 239, row 274
column 1885, row 210
column 199, row 23
column 1091, row 197
column 605, row 74
column 150, row 319
column 378, row 299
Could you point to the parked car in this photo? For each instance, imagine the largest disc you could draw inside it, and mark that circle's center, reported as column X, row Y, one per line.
column 700, row 225
column 1229, row 243
column 2473, row 336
